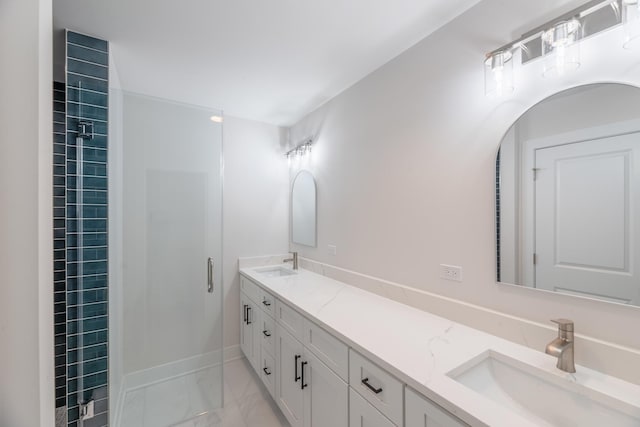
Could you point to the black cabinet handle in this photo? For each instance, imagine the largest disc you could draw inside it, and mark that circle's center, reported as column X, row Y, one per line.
column 302, row 384
column 249, row 315
column 266, row 303
column 266, row 371
column 297, row 378
column 245, row 312
column 266, row 333
column 370, row 387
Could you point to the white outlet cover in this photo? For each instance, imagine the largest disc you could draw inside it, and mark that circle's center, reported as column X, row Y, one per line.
column 332, row 249
column 451, row 272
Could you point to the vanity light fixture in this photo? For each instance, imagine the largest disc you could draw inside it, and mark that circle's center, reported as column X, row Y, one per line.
column 217, row 119
column 561, row 49
column 301, row 149
column 631, row 22
column 498, row 73
column 557, row 42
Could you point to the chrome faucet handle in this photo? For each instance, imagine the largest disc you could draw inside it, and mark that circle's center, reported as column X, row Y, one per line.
column 565, row 325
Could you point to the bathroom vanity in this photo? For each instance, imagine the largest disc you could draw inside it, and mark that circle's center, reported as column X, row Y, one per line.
column 335, row 355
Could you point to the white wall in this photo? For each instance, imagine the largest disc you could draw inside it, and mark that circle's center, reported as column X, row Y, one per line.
column 26, row 249
column 404, row 162
column 256, row 200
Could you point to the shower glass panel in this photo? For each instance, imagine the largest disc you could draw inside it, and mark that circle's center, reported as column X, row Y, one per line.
column 167, row 351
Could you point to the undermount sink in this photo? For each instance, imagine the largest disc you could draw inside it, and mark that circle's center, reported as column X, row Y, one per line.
column 541, row 397
column 275, row 271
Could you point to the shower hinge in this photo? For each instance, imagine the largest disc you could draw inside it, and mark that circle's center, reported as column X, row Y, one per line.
column 86, row 410
column 85, row 129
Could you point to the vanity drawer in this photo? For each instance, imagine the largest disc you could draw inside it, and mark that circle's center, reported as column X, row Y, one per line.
column 419, row 410
column 363, row 414
column 377, row 386
column 268, row 372
column 333, row 352
column 290, row 320
column 268, row 334
column 250, row 289
column 267, row 302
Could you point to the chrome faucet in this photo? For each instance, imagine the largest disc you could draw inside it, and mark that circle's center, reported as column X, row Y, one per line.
column 293, row 259
column 562, row 347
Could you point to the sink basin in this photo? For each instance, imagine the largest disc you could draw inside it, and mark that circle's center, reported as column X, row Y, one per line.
column 275, row 271
column 542, row 397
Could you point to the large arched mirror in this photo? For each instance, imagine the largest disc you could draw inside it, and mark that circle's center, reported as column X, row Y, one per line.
column 303, row 209
column 568, row 195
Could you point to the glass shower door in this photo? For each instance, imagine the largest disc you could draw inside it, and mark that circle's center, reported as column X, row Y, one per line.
column 171, row 293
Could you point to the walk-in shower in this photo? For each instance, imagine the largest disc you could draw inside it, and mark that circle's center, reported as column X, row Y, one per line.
column 138, row 246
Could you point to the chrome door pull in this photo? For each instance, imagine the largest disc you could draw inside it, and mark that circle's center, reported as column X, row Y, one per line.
column 210, row 275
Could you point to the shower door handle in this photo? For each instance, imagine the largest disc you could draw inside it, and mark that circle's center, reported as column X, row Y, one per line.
column 210, row 275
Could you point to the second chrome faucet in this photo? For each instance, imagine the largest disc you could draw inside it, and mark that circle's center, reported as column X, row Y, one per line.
column 293, row 259
column 562, row 347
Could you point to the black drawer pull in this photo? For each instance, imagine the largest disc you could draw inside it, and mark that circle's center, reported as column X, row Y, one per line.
column 249, row 315
column 302, row 384
column 266, row 303
column 245, row 312
column 266, row 333
column 266, row 371
column 370, row 387
column 297, row 377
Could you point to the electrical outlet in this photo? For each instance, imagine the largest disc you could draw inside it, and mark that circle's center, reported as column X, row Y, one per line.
column 451, row 272
column 331, row 249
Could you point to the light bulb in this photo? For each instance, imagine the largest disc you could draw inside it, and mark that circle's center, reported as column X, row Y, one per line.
column 561, row 48
column 499, row 74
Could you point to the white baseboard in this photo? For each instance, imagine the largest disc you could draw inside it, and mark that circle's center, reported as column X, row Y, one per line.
column 232, row 352
column 146, row 377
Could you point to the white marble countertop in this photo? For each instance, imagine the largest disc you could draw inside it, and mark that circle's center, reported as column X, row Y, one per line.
column 420, row 348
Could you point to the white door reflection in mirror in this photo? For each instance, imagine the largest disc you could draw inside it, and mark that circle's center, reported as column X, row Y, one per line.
column 303, row 209
column 568, row 195
column 582, row 197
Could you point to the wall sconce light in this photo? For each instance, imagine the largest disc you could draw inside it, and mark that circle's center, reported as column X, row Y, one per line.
column 301, row 149
column 561, row 49
column 498, row 73
column 631, row 22
column 558, row 41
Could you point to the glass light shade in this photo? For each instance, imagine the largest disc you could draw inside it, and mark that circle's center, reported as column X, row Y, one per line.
column 498, row 74
column 561, row 48
column 631, row 23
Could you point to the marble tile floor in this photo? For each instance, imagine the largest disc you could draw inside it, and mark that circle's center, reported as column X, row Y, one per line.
column 186, row 401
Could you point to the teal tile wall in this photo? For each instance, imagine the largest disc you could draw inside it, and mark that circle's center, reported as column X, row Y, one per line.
column 59, row 244
column 86, row 229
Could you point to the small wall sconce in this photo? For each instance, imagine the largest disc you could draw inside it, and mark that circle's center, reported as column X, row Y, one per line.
column 301, row 149
column 631, row 22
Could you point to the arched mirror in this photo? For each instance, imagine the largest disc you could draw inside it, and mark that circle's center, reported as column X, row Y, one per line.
column 303, row 209
column 568, row 195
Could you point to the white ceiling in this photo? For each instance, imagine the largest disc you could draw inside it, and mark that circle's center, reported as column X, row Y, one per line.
column 267, row 60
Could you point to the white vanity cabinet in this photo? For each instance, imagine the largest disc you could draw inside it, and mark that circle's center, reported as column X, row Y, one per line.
column 363, row 414
column 249, row 337
column 309, row 393
column 421, row 412
column 316, row 379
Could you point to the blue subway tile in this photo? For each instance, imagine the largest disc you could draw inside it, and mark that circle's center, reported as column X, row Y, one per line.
column 91, row 55
column 87, row 112
column 87, row 83
column 88, row 41
column 95, row 183
column 89, row 97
